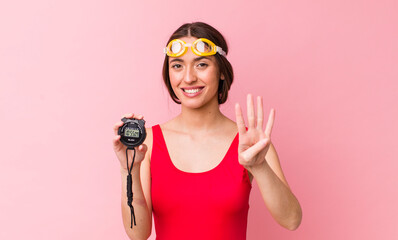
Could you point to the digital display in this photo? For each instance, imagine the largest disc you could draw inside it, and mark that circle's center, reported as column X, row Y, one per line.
column 132, row 132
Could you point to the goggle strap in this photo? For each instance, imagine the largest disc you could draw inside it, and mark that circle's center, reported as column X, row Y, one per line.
column 220, row 51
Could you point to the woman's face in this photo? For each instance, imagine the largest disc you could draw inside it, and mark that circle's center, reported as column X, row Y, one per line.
column 194, row 78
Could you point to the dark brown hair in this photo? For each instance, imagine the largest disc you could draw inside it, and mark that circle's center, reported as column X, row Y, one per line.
column 203, row 30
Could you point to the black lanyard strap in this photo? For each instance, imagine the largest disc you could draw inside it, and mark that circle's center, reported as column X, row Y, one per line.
column 129, row 187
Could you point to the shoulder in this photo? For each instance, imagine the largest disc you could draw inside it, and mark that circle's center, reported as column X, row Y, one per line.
column 149, row 135
column 170, row 125
column 229, row 129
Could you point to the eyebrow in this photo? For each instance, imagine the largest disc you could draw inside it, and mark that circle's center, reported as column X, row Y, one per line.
column 195, row 60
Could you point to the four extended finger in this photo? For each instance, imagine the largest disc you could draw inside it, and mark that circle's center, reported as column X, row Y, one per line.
column 260, row 114
column 270, row 123
column 240, row 122
column 250, row 111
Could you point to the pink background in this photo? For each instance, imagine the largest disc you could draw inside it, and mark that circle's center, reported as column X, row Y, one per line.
column 70, row 69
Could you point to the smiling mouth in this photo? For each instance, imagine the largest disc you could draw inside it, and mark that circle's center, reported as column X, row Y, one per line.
column 192, row 90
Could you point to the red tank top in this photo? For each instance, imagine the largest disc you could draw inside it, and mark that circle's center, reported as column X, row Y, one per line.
column 207, row 205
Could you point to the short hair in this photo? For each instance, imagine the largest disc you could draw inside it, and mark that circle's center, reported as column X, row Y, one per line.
column 203, row 30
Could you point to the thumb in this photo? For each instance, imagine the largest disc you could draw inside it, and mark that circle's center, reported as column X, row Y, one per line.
column 251, row 152
column 141, row 150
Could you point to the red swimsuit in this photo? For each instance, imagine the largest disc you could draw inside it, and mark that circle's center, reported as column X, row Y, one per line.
column 207, row 205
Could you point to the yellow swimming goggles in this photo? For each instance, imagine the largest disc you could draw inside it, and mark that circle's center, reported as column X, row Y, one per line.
column 201, row 47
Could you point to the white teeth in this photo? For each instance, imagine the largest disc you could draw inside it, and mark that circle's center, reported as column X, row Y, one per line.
column 191, row 90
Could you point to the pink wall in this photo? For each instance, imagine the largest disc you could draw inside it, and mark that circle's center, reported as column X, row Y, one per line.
column 70, row 69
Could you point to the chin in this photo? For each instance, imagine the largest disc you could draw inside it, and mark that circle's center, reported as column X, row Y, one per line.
column 192, row 104
column 197, row 103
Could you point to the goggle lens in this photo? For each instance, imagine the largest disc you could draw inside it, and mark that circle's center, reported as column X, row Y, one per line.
column 176, row 47
column 202, row 47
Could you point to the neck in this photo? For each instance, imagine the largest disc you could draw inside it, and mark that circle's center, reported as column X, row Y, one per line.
column 200, row 120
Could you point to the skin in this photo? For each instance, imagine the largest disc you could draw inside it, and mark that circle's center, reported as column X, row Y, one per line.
column 200, row 118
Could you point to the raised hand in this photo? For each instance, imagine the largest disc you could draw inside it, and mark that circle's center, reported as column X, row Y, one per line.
column 254, row 142
column 120, row 148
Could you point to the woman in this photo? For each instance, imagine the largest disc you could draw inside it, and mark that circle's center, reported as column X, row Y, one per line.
column 194, row 172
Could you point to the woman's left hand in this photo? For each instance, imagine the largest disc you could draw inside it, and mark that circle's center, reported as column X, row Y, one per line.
column 253, row 141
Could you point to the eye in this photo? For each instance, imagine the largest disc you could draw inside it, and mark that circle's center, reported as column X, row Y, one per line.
column 176, row 66
column 202, row 65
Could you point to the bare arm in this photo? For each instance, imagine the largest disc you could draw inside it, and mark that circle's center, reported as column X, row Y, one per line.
column 279, row 199
column 258, row 156
column 142, row 229
column 141, row 178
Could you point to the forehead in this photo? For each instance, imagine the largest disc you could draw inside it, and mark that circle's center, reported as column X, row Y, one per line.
column 188, row 39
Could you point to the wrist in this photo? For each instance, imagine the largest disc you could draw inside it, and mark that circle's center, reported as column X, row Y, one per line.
column 259, row 168
column 124, row 170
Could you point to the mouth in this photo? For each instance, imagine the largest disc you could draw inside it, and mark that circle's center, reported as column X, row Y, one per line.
column 192, row 90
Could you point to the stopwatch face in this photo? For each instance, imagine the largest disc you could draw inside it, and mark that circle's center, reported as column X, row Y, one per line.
column 132, row 134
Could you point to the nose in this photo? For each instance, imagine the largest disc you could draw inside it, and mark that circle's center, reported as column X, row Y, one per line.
column 190, row 75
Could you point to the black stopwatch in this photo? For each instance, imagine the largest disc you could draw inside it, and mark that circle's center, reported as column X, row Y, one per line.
column 132, row 133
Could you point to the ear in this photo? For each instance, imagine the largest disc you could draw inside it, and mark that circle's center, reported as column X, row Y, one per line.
column 222, row 77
